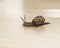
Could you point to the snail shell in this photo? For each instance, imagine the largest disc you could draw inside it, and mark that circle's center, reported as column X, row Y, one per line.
column 38, row 20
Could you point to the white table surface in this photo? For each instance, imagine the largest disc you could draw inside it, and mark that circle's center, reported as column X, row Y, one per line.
column 14, row 35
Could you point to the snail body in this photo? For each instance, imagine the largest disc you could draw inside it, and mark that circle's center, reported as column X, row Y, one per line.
column 28, row 24
column 37, row 21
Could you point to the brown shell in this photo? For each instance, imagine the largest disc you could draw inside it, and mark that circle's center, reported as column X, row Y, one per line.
column 38, row 20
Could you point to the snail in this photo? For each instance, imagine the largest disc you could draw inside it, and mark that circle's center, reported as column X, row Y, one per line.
column 36, row 22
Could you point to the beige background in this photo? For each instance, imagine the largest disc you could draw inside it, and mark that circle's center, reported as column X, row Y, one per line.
column 42, row 4
column 14, row 35
column 50, row 8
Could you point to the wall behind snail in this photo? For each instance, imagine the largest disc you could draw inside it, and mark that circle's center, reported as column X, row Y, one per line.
column 50, row 8
column 10, row 11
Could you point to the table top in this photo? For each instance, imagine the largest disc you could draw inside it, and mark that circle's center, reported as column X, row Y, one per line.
column 13, row 34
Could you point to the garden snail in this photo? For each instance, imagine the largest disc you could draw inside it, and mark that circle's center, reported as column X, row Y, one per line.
column 37, row 21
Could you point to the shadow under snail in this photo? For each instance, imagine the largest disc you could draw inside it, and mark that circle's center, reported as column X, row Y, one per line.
column 36, row 22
